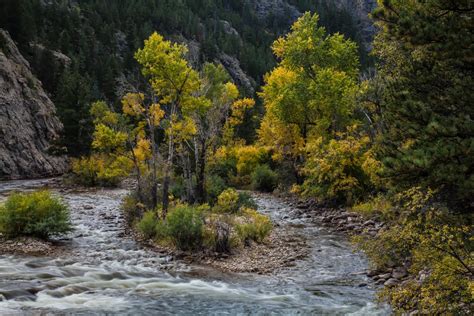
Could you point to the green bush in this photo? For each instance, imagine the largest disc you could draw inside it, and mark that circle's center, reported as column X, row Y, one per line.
column 132, row 209
column 264, row 179
column 178, row 189
column 246, row 200
column 224, row 163
column 37, row 214
column 437, row 242
column 228, row 201
column 258, row 227
column 147, row 225
column 214, row 187
column 100, row 170
column 161, row 230
column 185, row 226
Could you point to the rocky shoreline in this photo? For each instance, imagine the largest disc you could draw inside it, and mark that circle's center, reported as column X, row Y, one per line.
column 349, row 223
column 28, row 246
column 265, row 258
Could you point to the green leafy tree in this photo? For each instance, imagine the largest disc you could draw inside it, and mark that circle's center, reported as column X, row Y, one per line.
column 174, row 84
column 311, row 93
column 314, row 85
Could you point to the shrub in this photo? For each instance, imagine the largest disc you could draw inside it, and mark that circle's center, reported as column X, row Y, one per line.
column 224, row 163
column 343, row 169
column 228, row 201
column 437, row 243
column 214, row 187
column 161, row 230
column 249, row 157
column 132, row 209
column 246, row 200
column 258, row 227
column 147, row 225
column 178, row 189
column 185, row 227
column 217, row 234
column 37, row 214
column 379, row 206
column 100, row 170
column 209, row 237
column 264, row 179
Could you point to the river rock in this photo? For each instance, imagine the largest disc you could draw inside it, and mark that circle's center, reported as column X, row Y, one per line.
column 28, row 123
column 391, row 282
column 369, row 223
column 399, row 273
column 384, row 276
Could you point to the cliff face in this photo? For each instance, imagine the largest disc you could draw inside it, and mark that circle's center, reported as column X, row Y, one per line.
column 28, row 125
column 359, row 9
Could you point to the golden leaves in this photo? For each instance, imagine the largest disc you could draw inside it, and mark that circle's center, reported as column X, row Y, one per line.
column 132, row 104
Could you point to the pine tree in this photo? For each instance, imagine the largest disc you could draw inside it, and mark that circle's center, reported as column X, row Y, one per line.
column 426, row 48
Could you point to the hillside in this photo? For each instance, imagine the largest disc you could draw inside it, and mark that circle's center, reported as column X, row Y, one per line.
column 85, row 50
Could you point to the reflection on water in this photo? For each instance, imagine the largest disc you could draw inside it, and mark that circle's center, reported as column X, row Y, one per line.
column 103, row 271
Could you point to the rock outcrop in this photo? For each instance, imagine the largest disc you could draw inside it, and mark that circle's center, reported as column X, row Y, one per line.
column 240, row 78
column 276, row 8
column 28, row 124
column 360, row 10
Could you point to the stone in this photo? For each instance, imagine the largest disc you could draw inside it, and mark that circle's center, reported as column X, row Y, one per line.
column 28, row 123
column 399, row 273
column 384, row 276
column 369, row 223
column 391, row 282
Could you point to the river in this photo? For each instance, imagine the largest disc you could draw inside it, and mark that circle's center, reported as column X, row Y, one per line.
column 104, row 271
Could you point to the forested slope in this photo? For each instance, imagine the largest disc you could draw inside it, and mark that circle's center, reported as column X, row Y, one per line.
column 82, row 51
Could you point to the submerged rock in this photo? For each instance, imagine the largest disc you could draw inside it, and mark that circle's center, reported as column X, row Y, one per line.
column 28, row 124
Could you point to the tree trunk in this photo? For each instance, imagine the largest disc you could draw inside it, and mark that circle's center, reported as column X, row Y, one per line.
column 188, row 177
column 201, row 174
column 167, row 177
column 189, row 180
column 154, row 180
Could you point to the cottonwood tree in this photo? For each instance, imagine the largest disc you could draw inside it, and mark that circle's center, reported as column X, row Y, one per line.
column 174, row 83
column 210, row 119
column 125, row 143
column 314, row 84
column 311, row 93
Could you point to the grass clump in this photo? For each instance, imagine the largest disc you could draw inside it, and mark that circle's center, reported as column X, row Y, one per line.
column 37, row 214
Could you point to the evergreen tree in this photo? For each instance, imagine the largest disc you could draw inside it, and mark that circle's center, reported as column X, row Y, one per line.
column 426, row 48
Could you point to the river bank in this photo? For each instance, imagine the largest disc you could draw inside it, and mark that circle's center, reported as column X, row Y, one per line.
column 350, row 224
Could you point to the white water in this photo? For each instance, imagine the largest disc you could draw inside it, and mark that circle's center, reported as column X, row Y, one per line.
column 103, row 271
